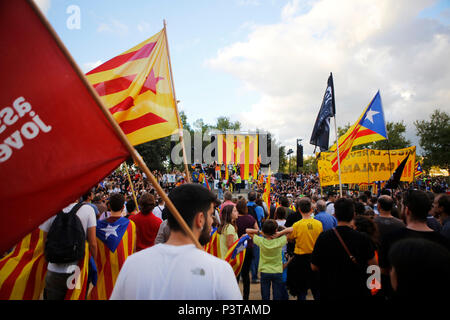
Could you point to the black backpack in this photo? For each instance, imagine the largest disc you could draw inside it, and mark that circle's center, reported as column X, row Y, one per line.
column 66, row 239
column 252, row 212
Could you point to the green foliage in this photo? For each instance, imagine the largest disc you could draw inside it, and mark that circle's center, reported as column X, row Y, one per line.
column 155, row 153
column 224, row 124
column 434, row 138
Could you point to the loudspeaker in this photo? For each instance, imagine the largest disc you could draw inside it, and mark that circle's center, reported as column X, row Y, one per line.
column 299, row 155
column 213, row 139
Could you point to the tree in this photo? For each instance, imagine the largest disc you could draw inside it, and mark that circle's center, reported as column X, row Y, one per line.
column 155, row 153
column 434, row 138
column 224, row 123
column 309, row 165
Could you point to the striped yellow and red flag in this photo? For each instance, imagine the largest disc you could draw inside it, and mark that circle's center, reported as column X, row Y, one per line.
column 213, row 246
column 238, row 148
column 369, row 127
column 418, row 169
column 116, row 242
column 266, row 194
column 79, row 284
column 22, row 272
column 136, row 86
column 236, row 254
column 258, row 165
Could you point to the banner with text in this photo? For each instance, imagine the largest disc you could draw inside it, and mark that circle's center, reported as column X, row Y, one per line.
column 366, row 166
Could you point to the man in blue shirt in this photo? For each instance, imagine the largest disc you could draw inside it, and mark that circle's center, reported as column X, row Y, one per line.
column 256, row 211
column 328, row 221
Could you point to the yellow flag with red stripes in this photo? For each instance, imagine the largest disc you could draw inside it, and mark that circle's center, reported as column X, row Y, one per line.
column 266, row 194
column 22, row 271
column 77, row 283
column 136, row 86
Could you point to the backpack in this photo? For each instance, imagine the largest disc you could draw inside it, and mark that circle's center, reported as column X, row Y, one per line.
column 66, row 239
column 252, row 212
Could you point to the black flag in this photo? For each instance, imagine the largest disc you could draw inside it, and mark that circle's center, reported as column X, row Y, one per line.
column 321, row 132
column 395, row 178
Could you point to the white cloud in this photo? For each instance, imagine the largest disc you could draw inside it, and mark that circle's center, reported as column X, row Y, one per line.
column 248, row 2
column 144, row 27
column 113, row 26
column 368, row 45
column 88, row 66
column 44, row 5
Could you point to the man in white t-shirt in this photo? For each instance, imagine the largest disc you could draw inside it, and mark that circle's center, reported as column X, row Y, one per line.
column 158, row 210
column 177, row 270
column 330, row 202
column 57, row 273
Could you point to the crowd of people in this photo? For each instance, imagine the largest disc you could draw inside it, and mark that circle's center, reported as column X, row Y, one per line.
column 304, row 240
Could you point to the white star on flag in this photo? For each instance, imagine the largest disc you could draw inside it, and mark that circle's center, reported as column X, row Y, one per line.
column 370, row 115
column 110, row 230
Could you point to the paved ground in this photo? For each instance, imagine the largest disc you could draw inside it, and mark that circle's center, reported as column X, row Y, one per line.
column 255, row 292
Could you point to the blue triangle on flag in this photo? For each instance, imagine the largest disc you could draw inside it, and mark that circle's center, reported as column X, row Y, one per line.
column 373, row 119
column 111, row 233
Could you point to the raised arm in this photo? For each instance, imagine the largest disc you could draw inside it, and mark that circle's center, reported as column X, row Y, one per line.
column 251, row 232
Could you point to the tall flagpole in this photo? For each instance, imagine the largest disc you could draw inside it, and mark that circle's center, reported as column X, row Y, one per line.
column 131, row 185
column 335, row 131
column 339, row 159
column 180, row 125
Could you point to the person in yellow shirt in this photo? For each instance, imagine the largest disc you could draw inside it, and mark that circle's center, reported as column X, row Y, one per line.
column 305, row 232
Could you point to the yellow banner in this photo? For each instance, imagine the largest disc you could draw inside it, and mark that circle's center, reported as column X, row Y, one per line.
column 366, row 166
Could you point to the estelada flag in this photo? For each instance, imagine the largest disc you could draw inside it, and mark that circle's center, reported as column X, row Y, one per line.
column 78, row 282
column 55, row 140
column 213, row 246
column 418, row 170
column 116, row 242
column 137, row 88
column 236, row 254
column 369, row 127
column 22, row 271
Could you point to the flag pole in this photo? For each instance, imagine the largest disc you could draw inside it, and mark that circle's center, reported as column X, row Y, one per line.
column 120, row 134
column 335, row 131
column 180, row 125
column 131, row 185
column 339, row 159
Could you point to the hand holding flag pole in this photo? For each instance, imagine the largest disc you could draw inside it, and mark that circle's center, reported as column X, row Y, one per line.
column 121, row 135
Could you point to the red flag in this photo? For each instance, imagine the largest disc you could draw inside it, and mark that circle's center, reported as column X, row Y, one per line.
column 55, row 141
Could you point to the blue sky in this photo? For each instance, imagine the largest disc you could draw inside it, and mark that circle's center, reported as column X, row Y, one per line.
column 266, row 62
column 196, row 31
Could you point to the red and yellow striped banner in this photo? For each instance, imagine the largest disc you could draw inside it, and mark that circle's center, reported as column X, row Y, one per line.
column 238, row 149
column 213, row 246
column 22, row 272
column 80, row 285
column 236, row 254
column 136, row 86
